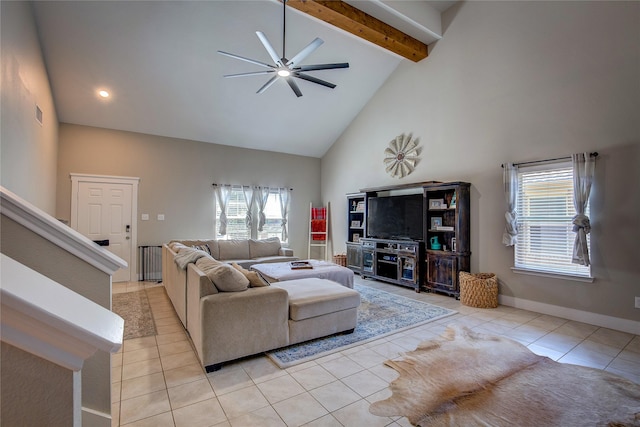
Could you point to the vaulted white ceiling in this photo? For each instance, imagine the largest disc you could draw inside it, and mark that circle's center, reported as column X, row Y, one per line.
column 158, row 60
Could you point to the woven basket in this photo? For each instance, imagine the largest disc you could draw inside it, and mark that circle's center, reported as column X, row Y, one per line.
column 479, row 290
column 340, row 260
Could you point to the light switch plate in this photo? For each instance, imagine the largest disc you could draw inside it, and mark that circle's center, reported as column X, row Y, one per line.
column 160, row 217
column 145, row 217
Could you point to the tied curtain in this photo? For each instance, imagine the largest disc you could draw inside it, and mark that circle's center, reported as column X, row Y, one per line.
column 285, row 198
column 249, row 200
column 510, row 180
column 583, row 171
column 261, row 197
column 223, row 192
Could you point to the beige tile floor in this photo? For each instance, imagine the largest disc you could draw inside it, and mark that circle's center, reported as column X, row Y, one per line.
column 157, row 380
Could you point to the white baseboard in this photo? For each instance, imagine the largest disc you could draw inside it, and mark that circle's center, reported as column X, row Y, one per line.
column 625, row 325
column 91, row 418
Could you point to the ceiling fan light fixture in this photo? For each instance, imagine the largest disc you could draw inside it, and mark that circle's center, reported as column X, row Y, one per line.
column 283, row 67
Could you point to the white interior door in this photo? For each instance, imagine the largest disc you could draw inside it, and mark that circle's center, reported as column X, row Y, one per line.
column 104, row 212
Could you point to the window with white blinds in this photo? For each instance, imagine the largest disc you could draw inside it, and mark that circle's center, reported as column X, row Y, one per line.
column 237, row 213
column 545, row 211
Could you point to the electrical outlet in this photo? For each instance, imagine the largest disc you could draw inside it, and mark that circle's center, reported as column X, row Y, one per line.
column 637, row 302
column 160, row 217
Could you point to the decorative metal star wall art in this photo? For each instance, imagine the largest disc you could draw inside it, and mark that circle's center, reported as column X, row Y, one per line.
column 402, row 155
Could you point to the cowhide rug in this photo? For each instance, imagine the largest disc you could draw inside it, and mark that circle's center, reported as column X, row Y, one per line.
column 465, row 378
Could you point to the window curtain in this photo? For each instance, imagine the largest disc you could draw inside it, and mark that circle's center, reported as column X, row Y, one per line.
column 510, row 180
column 262, row 195
column 223, row 192
column 583, row 171
column 249, row 201
column 285, row 197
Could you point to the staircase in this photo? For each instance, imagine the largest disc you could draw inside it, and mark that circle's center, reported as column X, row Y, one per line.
column 58, row 331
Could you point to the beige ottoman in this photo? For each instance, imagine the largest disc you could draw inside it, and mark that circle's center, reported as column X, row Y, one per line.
column 319, row 307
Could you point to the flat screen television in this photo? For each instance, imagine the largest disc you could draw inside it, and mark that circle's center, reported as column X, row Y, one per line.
column 395, row 217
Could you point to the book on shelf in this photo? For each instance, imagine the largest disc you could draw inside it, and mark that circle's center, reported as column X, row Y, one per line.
column 300, row 265
column 445, row 228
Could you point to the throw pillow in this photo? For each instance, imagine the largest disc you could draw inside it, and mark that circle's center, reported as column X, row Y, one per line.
column 228, row 279
column 255, row 279
column 207, row 264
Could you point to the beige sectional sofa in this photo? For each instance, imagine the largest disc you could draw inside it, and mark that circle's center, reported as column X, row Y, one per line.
column 229, row 325
column 244, row 252
column 247, row 320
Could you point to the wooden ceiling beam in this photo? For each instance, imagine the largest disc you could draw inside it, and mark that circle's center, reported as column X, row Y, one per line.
column 348, row 18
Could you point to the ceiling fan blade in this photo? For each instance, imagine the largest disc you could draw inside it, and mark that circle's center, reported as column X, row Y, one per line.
column 242, row 58
column 294, row 87
column 314, row 80
column 322, row 67
column 255, row 73
column 266, row 86
column 272, row 52
column 305, row 52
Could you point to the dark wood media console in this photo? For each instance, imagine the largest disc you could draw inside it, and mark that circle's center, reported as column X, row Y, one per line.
column 432, row 263
column 395, row 261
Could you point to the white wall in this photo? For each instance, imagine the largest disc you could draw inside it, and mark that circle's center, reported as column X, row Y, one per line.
column 176, row 178
column 513, row 82
column 29, row 150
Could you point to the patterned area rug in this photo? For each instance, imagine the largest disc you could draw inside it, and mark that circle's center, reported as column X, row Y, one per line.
column 380, row 313
column 134, row 308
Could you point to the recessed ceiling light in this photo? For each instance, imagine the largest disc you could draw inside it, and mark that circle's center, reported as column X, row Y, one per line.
column 103, row 93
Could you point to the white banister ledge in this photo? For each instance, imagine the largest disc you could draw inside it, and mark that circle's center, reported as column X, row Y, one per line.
column 45, row 225
column 45, row 318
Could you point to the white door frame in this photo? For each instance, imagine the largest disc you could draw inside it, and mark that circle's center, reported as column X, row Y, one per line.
column 77, row 178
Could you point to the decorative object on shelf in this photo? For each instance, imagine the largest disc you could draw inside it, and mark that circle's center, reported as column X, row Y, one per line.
column 435, row 244
column 402, row 155
column 360, row 207
column 355, row 224
column 445, row 228
column 436, row 222
column 286, row 68
column 356, row 237
column 437, row 204
column 452, row 204
column 453, row 244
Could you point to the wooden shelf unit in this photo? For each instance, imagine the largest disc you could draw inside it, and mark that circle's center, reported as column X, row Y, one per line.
column 435, row 270
column 356, row 229
column 443, row 264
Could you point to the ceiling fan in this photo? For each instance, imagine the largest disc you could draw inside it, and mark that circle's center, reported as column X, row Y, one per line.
column 286, row 68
